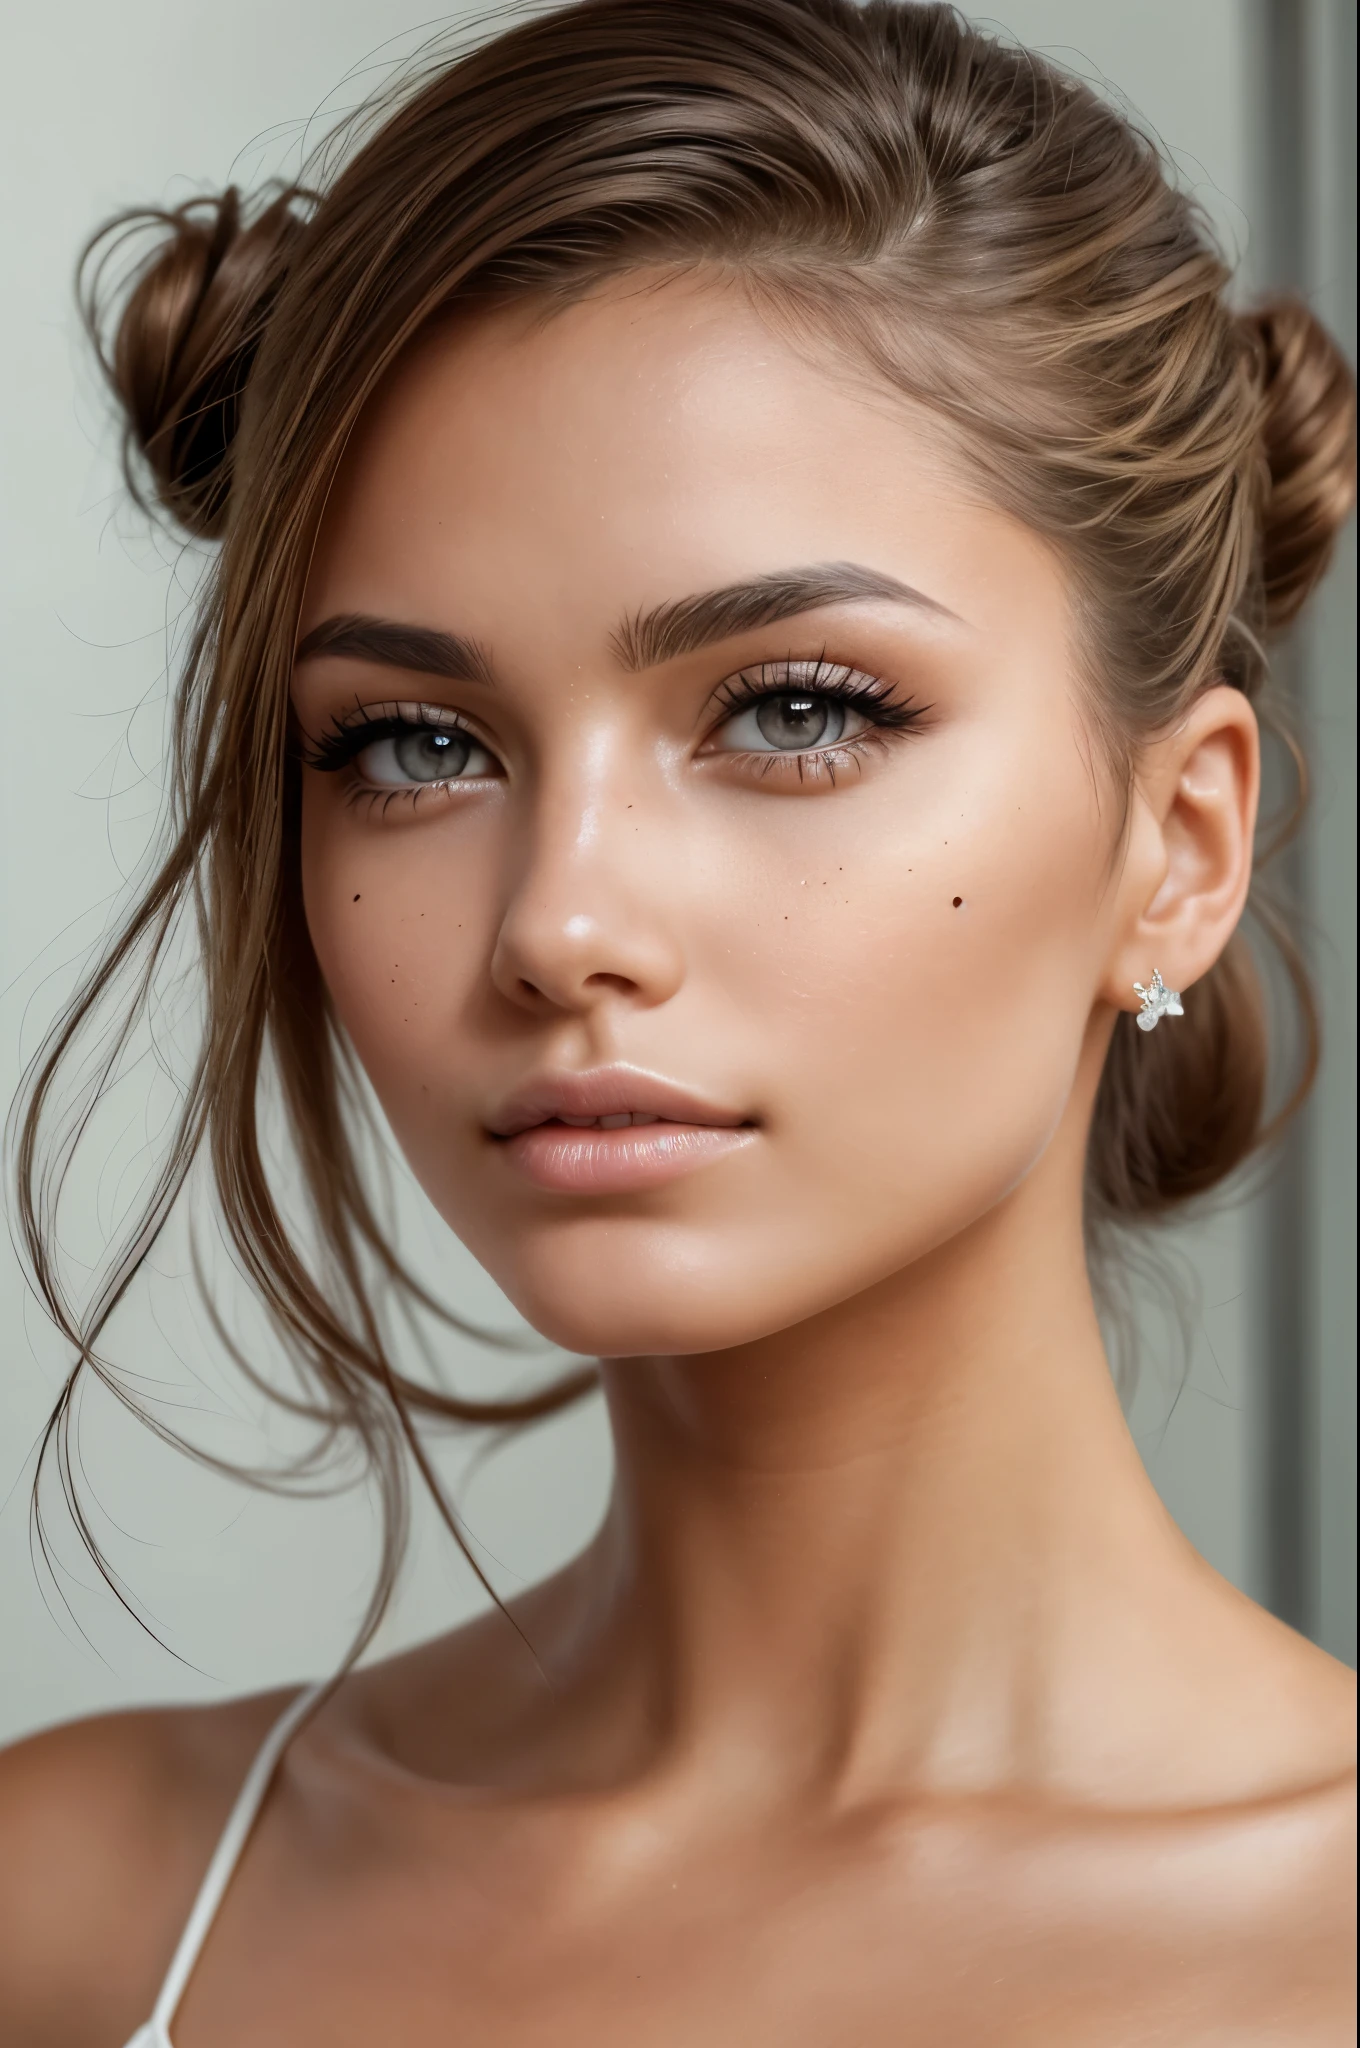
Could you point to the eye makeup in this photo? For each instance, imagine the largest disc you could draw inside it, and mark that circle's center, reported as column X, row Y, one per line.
column 349, row 734
column 824, row 683
column 808, row 714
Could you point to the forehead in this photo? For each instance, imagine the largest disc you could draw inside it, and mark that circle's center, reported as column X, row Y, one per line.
column 647, row 440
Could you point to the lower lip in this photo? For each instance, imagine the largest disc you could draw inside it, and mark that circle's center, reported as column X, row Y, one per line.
column 568, row 1161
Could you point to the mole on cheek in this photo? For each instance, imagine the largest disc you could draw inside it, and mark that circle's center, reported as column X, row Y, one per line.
column 958, row 903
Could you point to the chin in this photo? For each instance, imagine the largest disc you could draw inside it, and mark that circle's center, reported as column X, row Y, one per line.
column 601, row 1293
column 608, row 1290
column 602, row 1316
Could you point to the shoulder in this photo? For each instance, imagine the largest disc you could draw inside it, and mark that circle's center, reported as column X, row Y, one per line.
column 1255, row 1884
column 108, row 1825
column 1257, row 1713
column 1278, row 1912
column 1286, row 1847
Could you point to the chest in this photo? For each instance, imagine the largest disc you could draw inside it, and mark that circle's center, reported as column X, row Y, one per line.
column 800, row 1954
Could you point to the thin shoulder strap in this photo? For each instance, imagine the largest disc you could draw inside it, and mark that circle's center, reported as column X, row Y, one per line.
column 226, row 1855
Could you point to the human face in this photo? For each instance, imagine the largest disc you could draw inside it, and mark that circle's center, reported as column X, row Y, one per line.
column 816, row 874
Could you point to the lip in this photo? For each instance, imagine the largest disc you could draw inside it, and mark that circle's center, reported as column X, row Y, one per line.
column 684, row 1131
column 607, row 1091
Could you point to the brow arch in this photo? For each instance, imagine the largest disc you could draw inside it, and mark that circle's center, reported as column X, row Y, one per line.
column 684, row 624
column 422, row 649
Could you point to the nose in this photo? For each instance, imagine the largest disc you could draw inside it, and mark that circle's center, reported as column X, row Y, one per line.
column 587, row 921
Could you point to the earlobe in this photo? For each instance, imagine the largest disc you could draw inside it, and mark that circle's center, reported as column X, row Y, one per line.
column 1198, row 788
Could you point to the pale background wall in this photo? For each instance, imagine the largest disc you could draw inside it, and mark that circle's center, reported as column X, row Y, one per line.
column 110, row 106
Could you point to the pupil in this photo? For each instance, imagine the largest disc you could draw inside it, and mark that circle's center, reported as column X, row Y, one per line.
column 433, row 756
column 796, row 721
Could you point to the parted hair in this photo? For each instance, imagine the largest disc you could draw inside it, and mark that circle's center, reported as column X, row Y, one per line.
column 979, row 229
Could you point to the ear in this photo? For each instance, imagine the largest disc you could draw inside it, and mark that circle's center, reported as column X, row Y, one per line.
column 1189, row 855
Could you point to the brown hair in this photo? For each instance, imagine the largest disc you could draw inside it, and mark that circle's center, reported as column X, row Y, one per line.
column 977, row 227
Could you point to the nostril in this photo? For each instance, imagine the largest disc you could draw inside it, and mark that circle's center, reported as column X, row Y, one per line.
column 614, row 981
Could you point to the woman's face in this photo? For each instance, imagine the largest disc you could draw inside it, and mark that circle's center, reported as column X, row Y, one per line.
column 686, row 743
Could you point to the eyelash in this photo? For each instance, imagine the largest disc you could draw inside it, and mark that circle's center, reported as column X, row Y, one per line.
column 349, row 734
column 869, row 695
column 888, row 716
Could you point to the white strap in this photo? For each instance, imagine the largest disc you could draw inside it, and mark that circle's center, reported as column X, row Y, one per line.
column 232, row 1841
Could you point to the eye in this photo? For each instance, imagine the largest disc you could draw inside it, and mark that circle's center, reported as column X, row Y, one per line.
column 790, row 722
column 402, row 760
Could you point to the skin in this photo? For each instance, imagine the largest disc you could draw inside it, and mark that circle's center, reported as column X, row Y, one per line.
column 888, row 1705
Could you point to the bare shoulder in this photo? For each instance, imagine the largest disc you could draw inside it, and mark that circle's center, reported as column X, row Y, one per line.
column 1326, row 1691
column 1276, row 1714
column 1294, row 1735
column 108, row 1825
column 1289, row 1870
column 1274, row 1865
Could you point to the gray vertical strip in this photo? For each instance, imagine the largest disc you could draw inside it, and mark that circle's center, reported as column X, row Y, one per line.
column 1305, row 211
column 1288, row 1571
column 1332, row 866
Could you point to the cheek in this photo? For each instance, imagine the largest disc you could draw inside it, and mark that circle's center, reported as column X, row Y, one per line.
column 927, row 997
column 399, row 942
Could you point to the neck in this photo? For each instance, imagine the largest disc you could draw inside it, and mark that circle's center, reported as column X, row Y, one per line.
column 901, row 1538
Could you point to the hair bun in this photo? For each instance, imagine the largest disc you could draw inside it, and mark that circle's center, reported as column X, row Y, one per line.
column 177, row 338
column 1308, row 433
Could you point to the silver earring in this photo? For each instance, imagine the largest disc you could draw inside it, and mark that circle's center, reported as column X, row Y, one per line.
column 1158, row 1001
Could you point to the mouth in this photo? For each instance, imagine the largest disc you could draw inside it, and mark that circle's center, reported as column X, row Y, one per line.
column 616, row 1130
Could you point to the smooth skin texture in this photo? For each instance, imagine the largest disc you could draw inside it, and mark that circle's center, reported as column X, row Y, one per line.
column 888, row 1706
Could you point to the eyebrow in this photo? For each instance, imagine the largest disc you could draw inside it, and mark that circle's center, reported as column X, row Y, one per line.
column 645, row 640
column 423, row 649
column 688, row 623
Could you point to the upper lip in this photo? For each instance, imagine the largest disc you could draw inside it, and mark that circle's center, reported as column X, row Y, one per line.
column 605, row 1091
